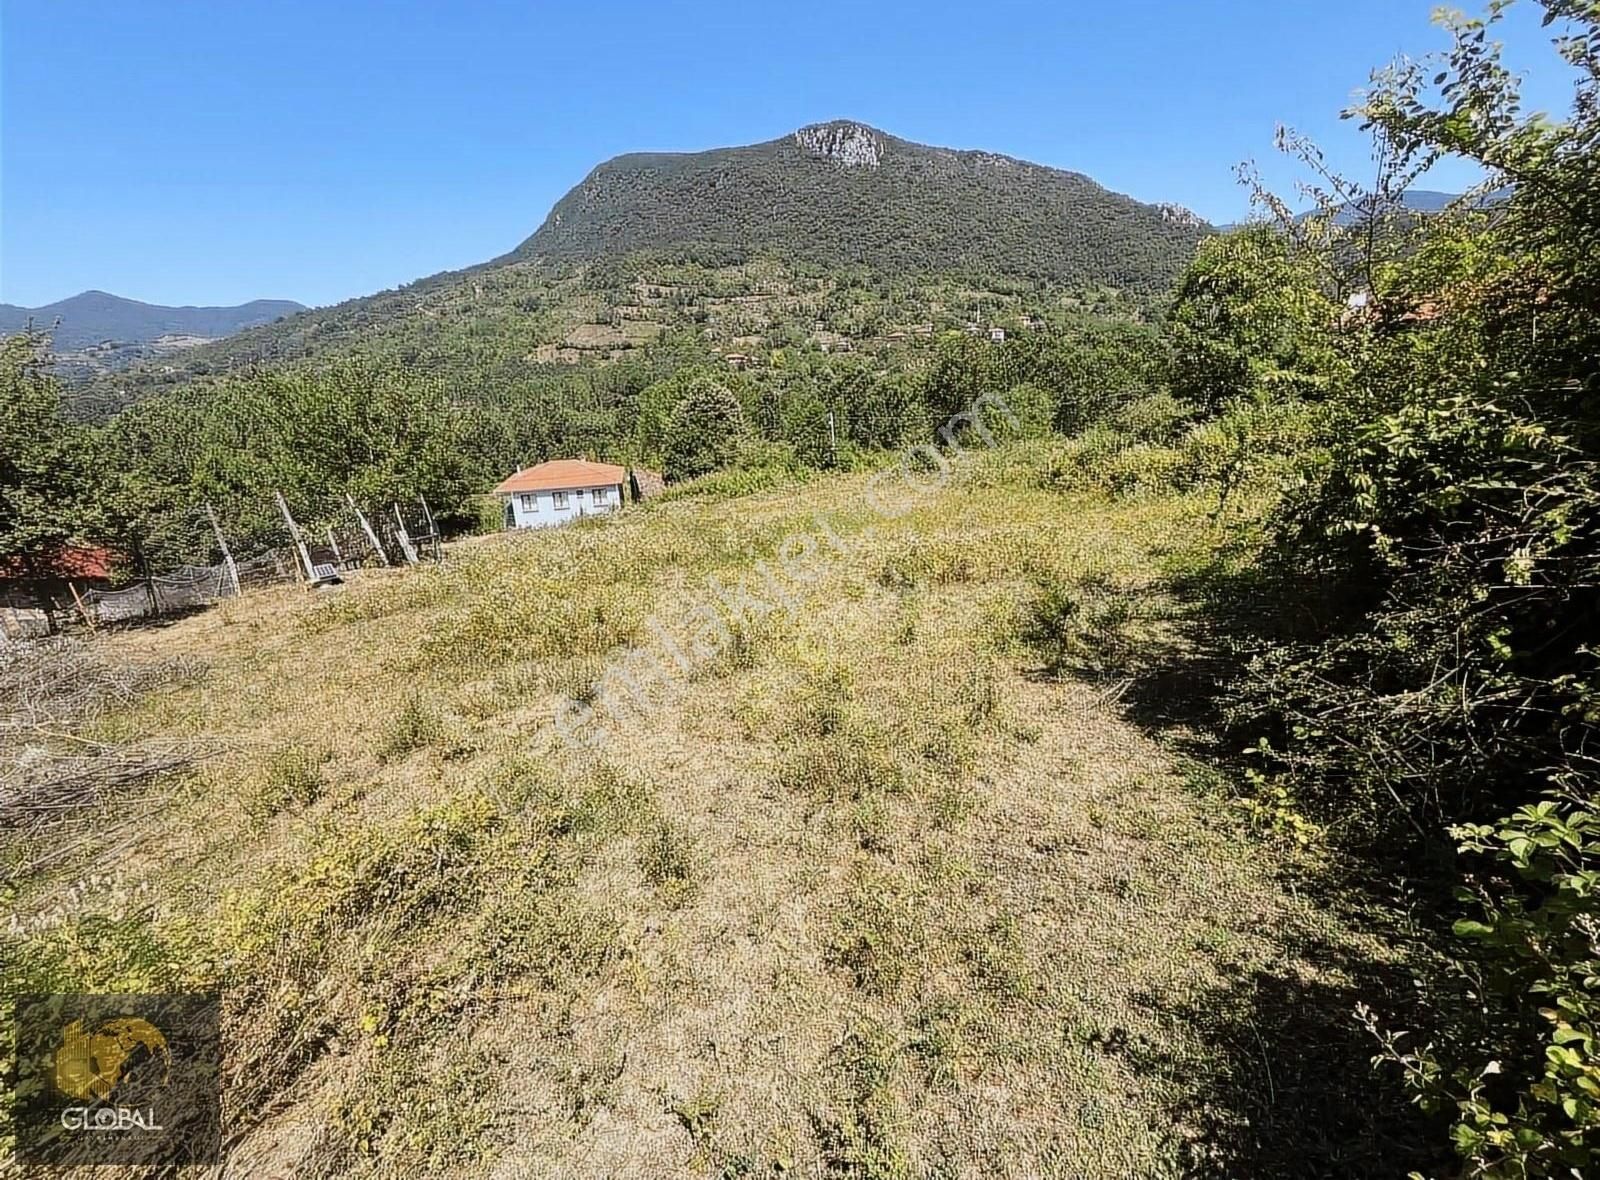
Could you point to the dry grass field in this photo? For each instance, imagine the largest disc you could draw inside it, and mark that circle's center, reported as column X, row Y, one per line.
column 882, row 879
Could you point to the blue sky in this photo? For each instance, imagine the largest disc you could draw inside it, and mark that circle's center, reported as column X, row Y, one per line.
column 212, row 151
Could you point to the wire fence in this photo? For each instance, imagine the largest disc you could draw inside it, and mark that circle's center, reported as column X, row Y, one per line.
column 184, row 588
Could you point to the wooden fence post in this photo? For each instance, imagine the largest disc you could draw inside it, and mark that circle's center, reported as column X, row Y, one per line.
column 372, row 536
column 404, row 537
column 149, row 581
column 433, row 527
column 299, row 541
column 227, row 555
column 83, row 607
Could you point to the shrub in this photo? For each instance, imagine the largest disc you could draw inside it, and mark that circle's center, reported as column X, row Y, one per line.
column 1033, row 410
column 1520, row 1067
column 417, row 725
column 667, row 860
column 292, row 777
column 1437, row 562
column 1081, row 628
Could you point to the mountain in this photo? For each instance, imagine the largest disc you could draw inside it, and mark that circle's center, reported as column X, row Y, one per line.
column 1418, row 201
column 842, row 193
column 837, row 236
column 95, row 317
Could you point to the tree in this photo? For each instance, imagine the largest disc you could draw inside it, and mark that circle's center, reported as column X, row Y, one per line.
column 704, row 431
column 1033, row 409
column 44, row 498
column 1250, row 320
column 365, row 430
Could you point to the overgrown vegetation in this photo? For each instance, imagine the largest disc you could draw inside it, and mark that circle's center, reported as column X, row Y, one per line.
column 830, row 880
column 1424, row 665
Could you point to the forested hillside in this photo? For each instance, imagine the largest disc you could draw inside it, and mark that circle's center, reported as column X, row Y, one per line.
column 835, row 234
column 843, row 193
column 94, row 334
column 94, row 316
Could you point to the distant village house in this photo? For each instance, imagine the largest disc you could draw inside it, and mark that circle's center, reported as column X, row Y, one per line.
column 560, row 490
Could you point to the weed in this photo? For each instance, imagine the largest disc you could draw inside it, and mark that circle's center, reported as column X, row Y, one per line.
column 416, row 726
column 880, row 936
column 942, row 1041
column 1082, row 628
column 698, row 1114
column 860, row 1140
column 667, row 860
column 844, row 768
column 550, row 938
column 291, row 777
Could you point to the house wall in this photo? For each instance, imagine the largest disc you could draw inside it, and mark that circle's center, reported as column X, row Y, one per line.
column 537, row 510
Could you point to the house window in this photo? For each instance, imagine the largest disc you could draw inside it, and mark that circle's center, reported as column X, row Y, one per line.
column 599, row 495
column 530, row 502
column 559, row 499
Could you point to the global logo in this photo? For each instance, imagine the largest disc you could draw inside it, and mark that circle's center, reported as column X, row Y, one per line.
column 90, row 1066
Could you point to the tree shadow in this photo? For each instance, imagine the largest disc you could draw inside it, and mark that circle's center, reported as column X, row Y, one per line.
column 1284, row 1084
column 1226, row 611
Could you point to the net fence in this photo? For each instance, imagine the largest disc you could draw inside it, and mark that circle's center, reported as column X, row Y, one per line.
column 330, row 549
column 185, row 588
column 181, row 589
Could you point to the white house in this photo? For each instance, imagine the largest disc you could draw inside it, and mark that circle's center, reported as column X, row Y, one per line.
column 559, row 491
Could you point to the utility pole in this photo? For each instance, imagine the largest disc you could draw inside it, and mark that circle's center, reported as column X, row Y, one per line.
column 299, row 541
column 833, row 441
column 367, row 528
column 227, row 556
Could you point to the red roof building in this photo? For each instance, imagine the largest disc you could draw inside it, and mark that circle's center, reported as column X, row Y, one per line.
column 66, row 563
column 560, row 490
column 562, row 475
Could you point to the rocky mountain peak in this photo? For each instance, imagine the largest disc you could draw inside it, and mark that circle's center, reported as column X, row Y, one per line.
column 1178, row 215
column 853, row 145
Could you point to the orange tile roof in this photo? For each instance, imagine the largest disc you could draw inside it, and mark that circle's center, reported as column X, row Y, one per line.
column 560, row 474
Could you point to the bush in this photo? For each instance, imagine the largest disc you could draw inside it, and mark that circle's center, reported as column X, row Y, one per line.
column 1081, row 628
column 1155, row 418
column 1521, row 1066
column 704, row 431
column 1436, row 562
column 416, row 726
column 1033, row 410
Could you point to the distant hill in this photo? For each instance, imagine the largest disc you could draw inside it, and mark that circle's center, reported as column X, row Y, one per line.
column 95, row 317
column 1413, row 201
column 844, row 193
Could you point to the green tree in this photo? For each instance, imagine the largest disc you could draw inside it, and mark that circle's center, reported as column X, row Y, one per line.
column 44, row 494
column 704, row 431
column 1033, row 407
column 1441, row 547
column 1251, row 319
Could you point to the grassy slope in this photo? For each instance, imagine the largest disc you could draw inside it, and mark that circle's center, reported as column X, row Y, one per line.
column 500, row 319
column 862, row 895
